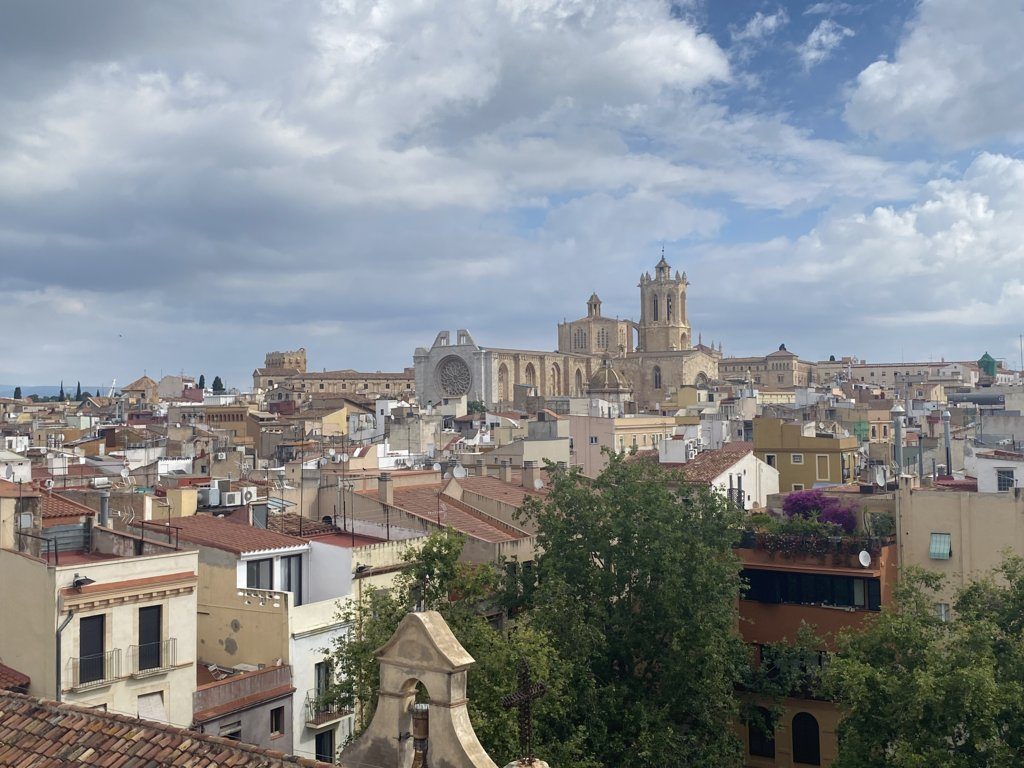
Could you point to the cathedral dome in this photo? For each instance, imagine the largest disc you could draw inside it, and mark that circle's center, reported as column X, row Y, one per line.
column 606, row 379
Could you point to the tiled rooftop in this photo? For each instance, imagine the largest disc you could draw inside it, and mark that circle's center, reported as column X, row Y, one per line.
column 53, row 505
column 11, row 678
column 707, row 465
column 218, row 533
column 495, row 488
column 422, row 502
column 9, row 490
column 41, row 734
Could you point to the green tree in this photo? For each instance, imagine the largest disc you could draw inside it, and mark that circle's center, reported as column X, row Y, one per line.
column 435, row 579
column 17, row 393
column 637, row 587
column 218, row 385
column 78, row 392
column 918, row 691
column 61, row 395
column 202, row 381
column 476, row 406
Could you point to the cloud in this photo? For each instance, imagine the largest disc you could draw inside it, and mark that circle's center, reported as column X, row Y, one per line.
column 828, row 9
column 187, row 185
column 944, row 265
column 760, row 26
column 957, row 77
column 823, row 40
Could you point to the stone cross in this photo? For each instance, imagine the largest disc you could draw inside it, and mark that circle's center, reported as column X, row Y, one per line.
column 522, row 699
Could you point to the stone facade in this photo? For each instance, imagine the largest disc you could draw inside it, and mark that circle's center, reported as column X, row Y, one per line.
column 653, row 357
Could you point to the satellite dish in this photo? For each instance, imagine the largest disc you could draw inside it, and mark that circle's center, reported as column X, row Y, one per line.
column 344, row 457
column 538, row 484
column 447, row 475
column 331, row 451
column 864, row 557
column 322, row 461
column 8, row 471
column 459, row 472
column 437, row 467
column 125, row 473
column 48, row 484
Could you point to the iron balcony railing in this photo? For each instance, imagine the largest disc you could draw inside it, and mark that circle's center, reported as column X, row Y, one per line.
column 321, row 710
column 150, row 658
column 95, row 670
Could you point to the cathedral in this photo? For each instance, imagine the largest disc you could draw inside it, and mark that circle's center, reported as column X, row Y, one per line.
column 649, row 358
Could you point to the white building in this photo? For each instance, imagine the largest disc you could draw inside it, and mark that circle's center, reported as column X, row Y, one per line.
column 733, row 470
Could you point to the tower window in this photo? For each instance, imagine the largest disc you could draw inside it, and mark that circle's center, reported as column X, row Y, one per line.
column 654, row 312
column 668, row 308
column 657, row 377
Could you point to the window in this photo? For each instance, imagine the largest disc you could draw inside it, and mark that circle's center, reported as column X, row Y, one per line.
column 291, row 576
column 822, row 467
column 942, row 611
column 657, row 377
column 91, row 637
column 796, row 458
column 940, row 547
column 761, row 734
column 806, row 744
column 798, row 486
column 874, row 432
column 231, row 731
column 1005, row 480
column 593, row 439
column 654, row 304
column 325, row 746
column 277, row 720
column 259, row 574
column 150, row 706
column 795, row 588
column 885, row 430
column 769, row 459
column 150, row 632
column 322, row 676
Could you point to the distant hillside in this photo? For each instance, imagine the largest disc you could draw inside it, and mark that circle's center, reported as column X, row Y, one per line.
column 7, row 390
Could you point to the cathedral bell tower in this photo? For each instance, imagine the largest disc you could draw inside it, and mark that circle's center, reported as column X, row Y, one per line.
column 663, row 323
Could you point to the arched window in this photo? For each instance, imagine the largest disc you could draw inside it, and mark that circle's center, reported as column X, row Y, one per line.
column 555, row 381
column 654, row 315
column 657, row 377
column 579, row 382
column 530, row 375
column 761, row 734
column 806, row 742
column 668, row 308
column 602, row 338
column 503, row 394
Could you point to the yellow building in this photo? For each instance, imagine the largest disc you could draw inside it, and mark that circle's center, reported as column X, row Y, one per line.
column 804, row 457
column 96, row 617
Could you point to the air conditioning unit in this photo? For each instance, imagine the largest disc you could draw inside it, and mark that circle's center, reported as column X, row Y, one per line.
column 100, row 482
column 232, row 499
column 220, row 456
column 248, row 494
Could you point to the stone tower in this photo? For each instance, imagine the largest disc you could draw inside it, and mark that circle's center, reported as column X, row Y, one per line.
column 663, row 323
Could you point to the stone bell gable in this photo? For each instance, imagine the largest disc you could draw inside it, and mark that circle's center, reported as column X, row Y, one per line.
column 422, row 650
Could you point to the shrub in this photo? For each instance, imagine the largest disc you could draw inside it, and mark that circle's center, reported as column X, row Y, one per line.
column 817, row 505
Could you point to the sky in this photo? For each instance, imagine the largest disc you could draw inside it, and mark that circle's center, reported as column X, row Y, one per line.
column 187, row 185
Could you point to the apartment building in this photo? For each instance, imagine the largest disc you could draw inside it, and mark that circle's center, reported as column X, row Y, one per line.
column 805, row 456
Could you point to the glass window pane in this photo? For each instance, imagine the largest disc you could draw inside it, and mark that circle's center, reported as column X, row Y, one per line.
column 940, row 546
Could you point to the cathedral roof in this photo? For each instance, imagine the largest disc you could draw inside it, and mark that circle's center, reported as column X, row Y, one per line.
column 593, row 299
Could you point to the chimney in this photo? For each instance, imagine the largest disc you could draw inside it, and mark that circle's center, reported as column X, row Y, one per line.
column 385, row 489
column 530, row 473
column 506, row 470
column 946, row 416
column 104, row 518
column 481, row 468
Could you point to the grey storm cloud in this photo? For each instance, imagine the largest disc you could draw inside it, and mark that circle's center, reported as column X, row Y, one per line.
column 188, row 184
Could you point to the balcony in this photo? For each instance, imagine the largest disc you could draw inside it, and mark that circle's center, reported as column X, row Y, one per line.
column 320, row 711
column 152, row 658
column 93, row 671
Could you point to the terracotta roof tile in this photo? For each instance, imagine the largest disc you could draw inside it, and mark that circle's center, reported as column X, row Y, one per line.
column 9, row 490
column 209, row 531
column 11, row 678
column 708, row 465
column 53, row 505
column 39, row 733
